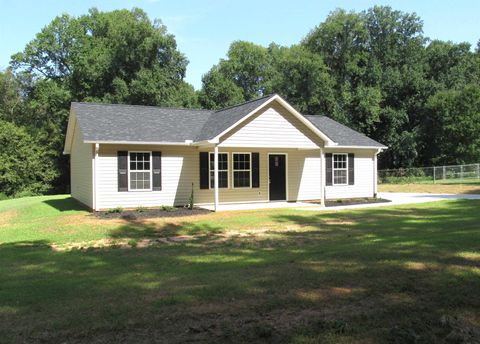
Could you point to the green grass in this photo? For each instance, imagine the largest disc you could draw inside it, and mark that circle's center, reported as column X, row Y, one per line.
column 398, row 274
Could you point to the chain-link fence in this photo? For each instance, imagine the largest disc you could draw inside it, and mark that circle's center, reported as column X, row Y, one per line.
column 436, row 174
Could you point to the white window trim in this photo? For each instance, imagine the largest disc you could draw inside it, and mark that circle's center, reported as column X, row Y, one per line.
column 227, row 170
column 234, row 170
column 339, row 169
column 151, row 173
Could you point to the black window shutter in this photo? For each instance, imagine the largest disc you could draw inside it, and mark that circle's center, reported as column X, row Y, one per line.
column 328, row 168
column 122, row 171
column 204, row 177
column 255, row 170
column 157, row 171
column 351, row 169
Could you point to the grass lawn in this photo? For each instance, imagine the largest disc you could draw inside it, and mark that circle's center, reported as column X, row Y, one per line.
column 407, row 274
column 459, row 187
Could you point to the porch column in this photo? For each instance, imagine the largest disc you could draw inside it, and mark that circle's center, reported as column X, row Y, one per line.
column 375, row 175
column 215, row 175
column 322, row 177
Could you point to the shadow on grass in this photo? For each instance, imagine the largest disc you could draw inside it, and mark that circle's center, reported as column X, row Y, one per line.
column 66, row 204
column 376, row 275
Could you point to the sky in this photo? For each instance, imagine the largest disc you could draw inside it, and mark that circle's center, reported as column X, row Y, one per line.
column 204, row 29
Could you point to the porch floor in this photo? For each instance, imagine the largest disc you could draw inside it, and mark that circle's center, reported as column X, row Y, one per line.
column 259, row 205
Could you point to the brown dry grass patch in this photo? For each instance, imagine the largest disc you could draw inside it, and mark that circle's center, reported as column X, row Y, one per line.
column 431, row 188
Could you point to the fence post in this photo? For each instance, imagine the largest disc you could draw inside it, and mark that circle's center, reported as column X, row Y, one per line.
column 478, row 171
column 433, row 174
column 444, row 173
column 461, row 172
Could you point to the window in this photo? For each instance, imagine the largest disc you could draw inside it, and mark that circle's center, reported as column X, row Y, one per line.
column 222, row 170
column 241, row 170
column 140, row 172
column 340, row 169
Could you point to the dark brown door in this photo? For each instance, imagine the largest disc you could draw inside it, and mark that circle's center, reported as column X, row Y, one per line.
column 278, row 177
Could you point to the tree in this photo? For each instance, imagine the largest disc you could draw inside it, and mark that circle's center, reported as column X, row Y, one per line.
column 23, row 166
column 303, row 78
column 452, row 126
column 106, row 55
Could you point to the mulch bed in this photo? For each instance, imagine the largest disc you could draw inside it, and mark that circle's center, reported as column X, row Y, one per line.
column 150, row 213
column 351, row 201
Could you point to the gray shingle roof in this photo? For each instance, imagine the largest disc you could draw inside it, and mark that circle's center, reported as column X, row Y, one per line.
column 133, row 123
column 105, row 122
column 341, row 134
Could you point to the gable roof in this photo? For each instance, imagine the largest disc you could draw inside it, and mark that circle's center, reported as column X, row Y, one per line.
column 223, row 119
column 117, row 123
column 341, row 134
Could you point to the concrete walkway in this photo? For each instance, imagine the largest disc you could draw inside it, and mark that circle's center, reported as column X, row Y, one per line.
column 399, row 198
column 396, row 198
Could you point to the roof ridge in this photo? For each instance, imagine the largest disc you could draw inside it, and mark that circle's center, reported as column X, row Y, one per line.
column 247, row 102
column 144, row 106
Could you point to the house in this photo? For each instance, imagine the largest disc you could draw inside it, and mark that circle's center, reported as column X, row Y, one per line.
column 259, row 151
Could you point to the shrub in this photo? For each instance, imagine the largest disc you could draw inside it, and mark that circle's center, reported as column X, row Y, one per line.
column 115, row 210
column 3, row 196
column 25, row 193
column 168, row 208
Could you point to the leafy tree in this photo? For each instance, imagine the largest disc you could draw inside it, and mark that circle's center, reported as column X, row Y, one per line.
column 23, row 165
column 106, row 55
column 453, row 124
column 303, row 78
column 219, row 91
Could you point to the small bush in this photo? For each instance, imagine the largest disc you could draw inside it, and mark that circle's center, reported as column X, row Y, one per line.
column 141, row 209
column 168, row 208
column 132, row 243
column 3, row 196
column 115, row 210
column 25, row 193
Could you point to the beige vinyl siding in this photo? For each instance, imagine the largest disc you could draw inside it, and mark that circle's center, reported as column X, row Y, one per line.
column 364, row 176
column 304, row 175
column 274, row 127
column 81, row 169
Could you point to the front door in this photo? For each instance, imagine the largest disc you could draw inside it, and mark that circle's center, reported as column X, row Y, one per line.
column 278, row 177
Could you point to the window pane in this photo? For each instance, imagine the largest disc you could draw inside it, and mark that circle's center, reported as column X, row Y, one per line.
column 340, row 177
column 223, row 179
column 241, row 178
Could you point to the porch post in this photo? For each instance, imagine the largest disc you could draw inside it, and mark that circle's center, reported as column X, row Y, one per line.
column 215, row 175
column 322, row 177
column 375, row 174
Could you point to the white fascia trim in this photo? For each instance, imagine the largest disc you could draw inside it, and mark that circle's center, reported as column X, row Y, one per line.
column 187, row 143
column 294, row 112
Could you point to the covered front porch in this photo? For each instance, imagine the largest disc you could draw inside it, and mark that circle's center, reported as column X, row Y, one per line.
column 274, row 178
